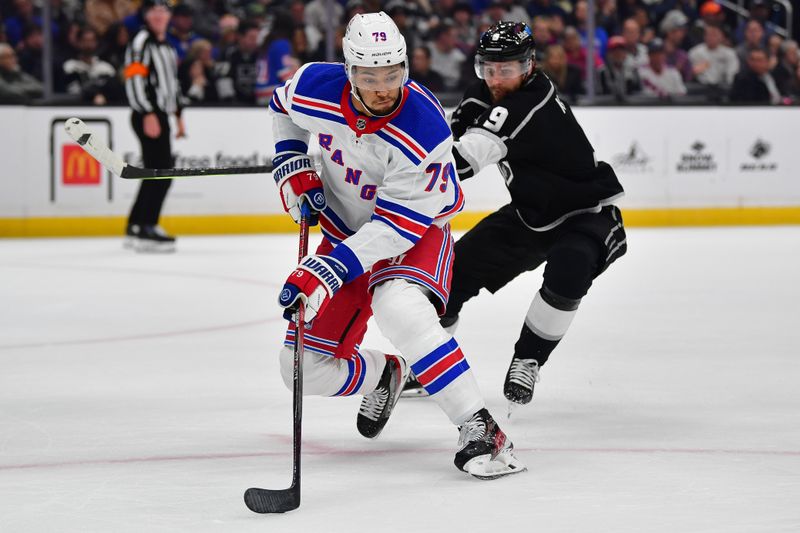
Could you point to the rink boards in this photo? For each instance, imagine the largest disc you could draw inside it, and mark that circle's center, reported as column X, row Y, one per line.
column 679, row 166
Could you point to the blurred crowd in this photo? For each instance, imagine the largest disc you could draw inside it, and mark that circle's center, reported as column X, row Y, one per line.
column 234, row 52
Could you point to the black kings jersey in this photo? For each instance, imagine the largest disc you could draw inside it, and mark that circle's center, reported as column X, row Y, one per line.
column 545, row 158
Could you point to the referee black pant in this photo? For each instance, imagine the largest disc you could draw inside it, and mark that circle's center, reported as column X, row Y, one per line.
column 156, row 153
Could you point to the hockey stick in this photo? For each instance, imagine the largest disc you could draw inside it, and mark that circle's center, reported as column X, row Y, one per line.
column 282, row 500
column 81, row 134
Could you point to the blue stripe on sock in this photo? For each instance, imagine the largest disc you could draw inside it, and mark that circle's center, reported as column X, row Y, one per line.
column 351, row 366
column 432, row 358
column 447, row 378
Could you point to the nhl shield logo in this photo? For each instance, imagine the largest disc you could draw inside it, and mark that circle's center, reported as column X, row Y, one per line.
column 361, row 123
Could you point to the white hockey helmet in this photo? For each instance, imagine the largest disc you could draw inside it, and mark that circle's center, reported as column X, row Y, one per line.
column 373, row 40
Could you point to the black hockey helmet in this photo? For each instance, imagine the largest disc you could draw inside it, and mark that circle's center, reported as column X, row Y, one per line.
column 506, row 41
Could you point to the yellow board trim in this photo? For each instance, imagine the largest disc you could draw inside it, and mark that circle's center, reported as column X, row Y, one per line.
column 226, row 224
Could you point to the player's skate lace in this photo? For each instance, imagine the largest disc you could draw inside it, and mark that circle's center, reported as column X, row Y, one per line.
column 377, row 406
column 373, row 403
column 524, row 372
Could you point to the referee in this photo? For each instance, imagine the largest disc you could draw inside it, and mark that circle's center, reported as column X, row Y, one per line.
column 151, row 84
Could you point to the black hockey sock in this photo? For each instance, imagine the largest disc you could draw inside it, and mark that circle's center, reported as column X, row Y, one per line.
column 545, row 324
column 532, row 346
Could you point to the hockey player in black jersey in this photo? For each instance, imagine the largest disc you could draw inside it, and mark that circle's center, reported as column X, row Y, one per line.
column 561, row 211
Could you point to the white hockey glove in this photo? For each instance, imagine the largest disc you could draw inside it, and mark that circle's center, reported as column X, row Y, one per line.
column 298, row 181
column 314, row 282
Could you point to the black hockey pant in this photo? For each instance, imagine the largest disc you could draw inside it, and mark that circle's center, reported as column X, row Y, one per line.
column 156, row 153
column 500, row 247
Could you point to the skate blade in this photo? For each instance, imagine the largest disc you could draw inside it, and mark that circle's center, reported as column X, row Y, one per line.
column 143, row 247
column 485, row 468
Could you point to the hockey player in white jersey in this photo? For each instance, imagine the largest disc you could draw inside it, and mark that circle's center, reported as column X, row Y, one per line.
column 387, row 190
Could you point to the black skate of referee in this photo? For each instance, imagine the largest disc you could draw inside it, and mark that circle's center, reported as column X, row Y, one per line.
column 561, row 211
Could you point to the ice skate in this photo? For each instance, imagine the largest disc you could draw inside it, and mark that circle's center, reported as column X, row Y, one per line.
column 377, row 406
column 520, row 380
column 131, row 236
column 153, row 239
column 413, row 388
column 485, row 451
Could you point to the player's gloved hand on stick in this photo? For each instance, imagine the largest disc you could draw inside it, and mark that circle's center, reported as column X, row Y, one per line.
column 298, row 181
column 314, row 282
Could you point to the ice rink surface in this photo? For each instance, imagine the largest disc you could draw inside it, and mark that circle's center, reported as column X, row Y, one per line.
column 141, row 394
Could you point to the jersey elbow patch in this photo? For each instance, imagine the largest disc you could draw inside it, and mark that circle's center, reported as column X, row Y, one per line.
column 276, row 105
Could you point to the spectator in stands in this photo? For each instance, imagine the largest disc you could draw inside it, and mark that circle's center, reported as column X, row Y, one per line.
column 398, row 11
column 446, row 58
column 198, row 76
column 642, row 17
column 207, row 14
column 546, row 8
column 785, row 72
column 576, row 53
column 29, row 51
column 566, row 77
column 100, row 15
column 276, row 62
column 760, row 10
column 16, row 86
column 228, row 35
column 25, row 16
column 755, row 85
column 753, row 38
column 793, row 87
column 711, row 14
column 316, row 14
column 439, row 11
column 134, row 22
column 89, row 77
column 658, row 78
column 515, row 11
column 465, row 27
column 241, row 64
column 543, row 35
column 557, row 27
column 713, row 63
column 673, row 28
column 618, row 77
column 774, row 44
column 421, row 70
column 114, row 43
column 181, row 30
column 256, row 13
column 496, row 11
column 687, row 7
column 607, row 16
column 351, row 9
column 600, row 35
column 300, row 45
column 637, row 52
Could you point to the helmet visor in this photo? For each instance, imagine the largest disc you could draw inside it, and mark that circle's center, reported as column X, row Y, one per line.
column 485, row 68
column 377, row 78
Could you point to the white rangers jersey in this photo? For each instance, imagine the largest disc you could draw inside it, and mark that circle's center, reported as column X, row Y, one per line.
column 386, row 179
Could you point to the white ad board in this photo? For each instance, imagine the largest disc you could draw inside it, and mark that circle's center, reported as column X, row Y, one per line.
column 666, row 158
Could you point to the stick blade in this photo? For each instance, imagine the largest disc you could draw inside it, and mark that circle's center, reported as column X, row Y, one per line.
column 81, row 134
column 266, row 501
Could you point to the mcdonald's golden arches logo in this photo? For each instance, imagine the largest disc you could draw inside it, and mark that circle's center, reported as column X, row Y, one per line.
column 78, row 167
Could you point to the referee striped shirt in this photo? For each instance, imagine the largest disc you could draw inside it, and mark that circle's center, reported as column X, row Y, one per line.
column 151, row 75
